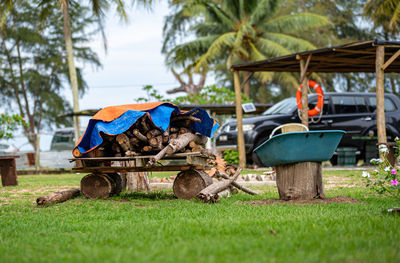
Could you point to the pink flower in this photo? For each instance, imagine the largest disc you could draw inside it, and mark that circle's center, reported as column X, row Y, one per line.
column 393, row 171
column 394, row 182
column 24, row 119
column 9, row 121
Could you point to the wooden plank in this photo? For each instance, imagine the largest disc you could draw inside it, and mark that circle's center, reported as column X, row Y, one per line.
column 354, row 51
column 240, row 134
column 108, row 169
column 380, row 102
column 196, row 160
column 304, row 73
column 172, row 156
column 390, row 60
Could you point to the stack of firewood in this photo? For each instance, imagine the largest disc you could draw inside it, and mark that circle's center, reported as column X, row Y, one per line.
column 144, row 138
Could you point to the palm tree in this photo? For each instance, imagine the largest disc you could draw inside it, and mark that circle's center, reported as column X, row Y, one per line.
column 234, row 31
column 384, row 13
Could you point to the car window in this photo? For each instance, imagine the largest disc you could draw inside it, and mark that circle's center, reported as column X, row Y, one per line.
column 389, row 105
column 344, row 104
column 361, row 104
column 285, row 106
column 326, row 109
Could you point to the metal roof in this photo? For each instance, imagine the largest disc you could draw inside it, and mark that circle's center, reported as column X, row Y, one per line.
column 353, row 57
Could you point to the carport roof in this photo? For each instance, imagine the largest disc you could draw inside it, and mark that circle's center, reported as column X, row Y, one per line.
column 353, row 57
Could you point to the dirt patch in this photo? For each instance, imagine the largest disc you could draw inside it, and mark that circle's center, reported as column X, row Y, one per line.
column 332, row 200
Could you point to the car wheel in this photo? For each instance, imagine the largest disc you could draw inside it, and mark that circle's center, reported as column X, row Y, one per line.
column 334, row 160
column 254, row 156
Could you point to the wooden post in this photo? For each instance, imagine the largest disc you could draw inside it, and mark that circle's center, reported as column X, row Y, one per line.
column 240, row 135
column 304, row 92
column 8, row 170
column 380, row 104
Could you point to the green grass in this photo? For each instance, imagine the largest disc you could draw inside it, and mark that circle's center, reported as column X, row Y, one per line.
column 155, row 227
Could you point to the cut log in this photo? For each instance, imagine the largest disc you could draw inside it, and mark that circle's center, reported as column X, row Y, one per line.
column 147, row 149
column 210, row 193
column 235, row 184
column 134, row 142
column 131, row 153
column 116, row 148
column 58, row 197
column 165, row 136
column 139, row 135
column 123, row 141
column 97, row 152
column 188, row 184
column 301, row 181
column 173, row 129
column 185, row 118
column 184, row 130
column 153, row 133
column 144, row 122
column 177, row 145
column 156, row 142
column 122, row 176
column 98, row 185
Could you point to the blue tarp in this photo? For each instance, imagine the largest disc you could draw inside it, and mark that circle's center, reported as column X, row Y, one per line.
column 160, row 115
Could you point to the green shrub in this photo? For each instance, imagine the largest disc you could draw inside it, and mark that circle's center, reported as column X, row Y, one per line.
column 231, row 157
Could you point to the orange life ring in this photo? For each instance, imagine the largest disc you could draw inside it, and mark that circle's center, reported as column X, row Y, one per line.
column 320, row 102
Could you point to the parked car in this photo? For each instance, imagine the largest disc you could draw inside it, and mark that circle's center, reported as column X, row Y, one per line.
column 354, row 113
column 63, row 140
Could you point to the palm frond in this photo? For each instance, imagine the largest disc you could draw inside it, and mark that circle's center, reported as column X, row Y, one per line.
column 263, row 11
column 189, row 51
column 216, row 49
column 294, row 44
column 295, row 23
column 271, row 48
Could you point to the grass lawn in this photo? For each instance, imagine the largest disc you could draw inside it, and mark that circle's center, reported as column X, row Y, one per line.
column 156, row 227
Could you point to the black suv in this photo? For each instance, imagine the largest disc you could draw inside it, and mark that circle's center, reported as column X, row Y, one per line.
column 354, row 113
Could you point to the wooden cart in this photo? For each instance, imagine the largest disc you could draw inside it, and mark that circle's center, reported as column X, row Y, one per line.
column 106, row 176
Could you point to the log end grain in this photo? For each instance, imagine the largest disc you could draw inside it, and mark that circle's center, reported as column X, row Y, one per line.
column 189, row 183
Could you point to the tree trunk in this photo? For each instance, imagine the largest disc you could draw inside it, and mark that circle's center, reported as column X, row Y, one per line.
column 58, row 197
column 188, row 184
column 137, row 181
column 71, row 65
column 300, row 181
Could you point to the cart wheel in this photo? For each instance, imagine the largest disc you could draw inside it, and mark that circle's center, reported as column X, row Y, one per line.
column 188, row 184
column 97, row 185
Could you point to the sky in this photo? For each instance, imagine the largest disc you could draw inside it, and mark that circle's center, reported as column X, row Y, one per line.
column 133, row 60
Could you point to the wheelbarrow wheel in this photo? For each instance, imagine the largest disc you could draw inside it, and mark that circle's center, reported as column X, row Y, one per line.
column 188, row 184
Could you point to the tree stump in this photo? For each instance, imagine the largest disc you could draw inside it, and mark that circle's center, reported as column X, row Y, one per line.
column 8, row 170
column 137, row 181
column 100, row 185
column 301, row 180
column 188, row 184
